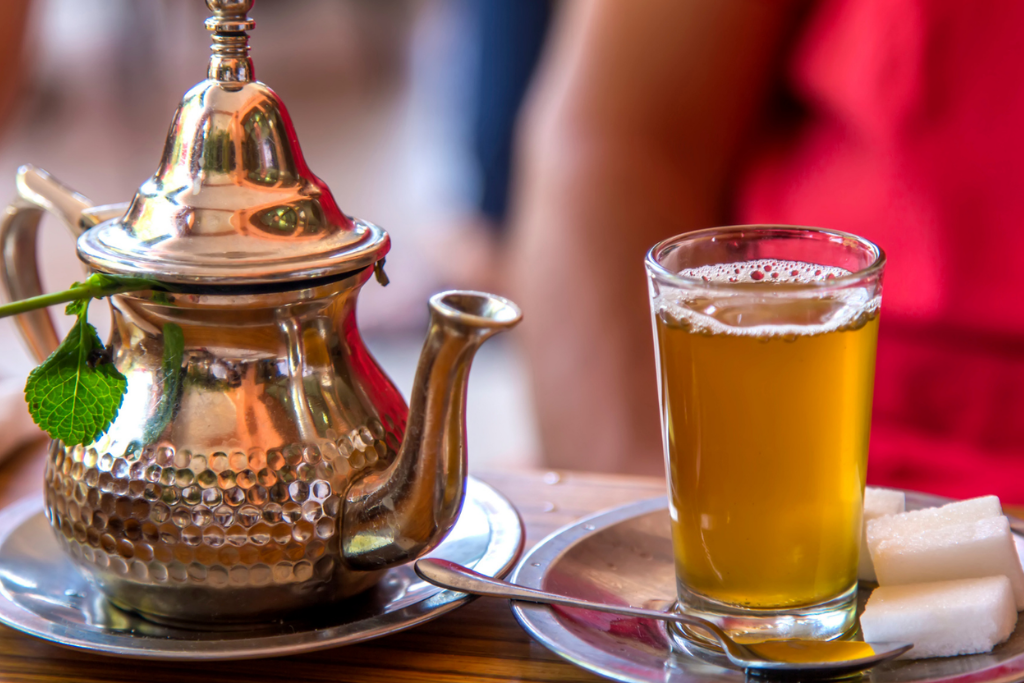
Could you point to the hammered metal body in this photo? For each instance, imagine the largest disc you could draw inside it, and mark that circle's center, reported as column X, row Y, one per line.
column 274, row 474
column 227, row 502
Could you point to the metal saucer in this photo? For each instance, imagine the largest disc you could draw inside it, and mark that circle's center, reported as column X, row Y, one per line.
column 624, row 556
column 44, row 595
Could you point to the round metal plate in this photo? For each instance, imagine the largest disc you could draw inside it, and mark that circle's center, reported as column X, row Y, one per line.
column 624, row 556
column 42, row 594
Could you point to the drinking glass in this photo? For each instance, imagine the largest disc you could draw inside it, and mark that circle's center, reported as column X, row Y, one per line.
column 766, row 342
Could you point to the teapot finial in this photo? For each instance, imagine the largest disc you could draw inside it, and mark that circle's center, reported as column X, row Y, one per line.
column 230, row 61
column 232, row 201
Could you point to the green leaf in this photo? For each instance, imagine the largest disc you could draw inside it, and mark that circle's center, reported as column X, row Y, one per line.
column 174, row 352
column 75, row 394
column 79, row 308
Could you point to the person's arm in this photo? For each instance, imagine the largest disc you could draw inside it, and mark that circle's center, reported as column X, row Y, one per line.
column 631, row 136
column 13, row 19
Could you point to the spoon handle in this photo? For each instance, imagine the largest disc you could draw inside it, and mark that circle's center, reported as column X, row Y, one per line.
column 454, row 576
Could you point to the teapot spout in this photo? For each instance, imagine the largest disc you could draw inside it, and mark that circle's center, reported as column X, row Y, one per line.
column 404, row 511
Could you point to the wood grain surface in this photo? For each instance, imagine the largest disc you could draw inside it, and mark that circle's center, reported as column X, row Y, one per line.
column 479, row 642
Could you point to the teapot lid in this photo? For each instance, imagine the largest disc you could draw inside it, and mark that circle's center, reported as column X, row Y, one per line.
column 233, row 201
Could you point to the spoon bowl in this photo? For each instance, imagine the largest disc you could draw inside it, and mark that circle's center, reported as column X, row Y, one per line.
column 809, row 658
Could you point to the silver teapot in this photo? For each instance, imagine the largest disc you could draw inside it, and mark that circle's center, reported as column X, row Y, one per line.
column 278, row 468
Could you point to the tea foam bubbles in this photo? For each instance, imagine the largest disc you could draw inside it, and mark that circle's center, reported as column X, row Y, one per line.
column 764, row 311
column 765, row 270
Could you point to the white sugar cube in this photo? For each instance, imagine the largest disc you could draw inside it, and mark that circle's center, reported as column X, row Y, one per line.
column 944, row 618
column 945, row 553
column 960, row 512
column 877, row 503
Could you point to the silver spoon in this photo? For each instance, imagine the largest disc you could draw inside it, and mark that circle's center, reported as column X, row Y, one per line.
column 780, row 657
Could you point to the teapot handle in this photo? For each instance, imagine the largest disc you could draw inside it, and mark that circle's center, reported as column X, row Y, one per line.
column 38, row 191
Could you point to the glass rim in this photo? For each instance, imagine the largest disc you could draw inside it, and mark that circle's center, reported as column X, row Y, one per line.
column 659, row 272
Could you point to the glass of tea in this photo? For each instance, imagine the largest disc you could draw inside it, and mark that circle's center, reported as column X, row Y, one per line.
column 766, row 342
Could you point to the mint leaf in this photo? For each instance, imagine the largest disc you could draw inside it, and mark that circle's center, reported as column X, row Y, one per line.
column 76, row 393
column 174, row 353
column 79, row 308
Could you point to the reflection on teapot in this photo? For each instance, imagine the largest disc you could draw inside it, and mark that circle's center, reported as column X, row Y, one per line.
column 278, row 468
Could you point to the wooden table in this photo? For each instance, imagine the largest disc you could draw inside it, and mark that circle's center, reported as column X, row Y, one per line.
column 480, row 642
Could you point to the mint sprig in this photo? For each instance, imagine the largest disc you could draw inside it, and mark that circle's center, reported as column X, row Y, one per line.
column 77, row 392
column 96, row 286
column 174, row 352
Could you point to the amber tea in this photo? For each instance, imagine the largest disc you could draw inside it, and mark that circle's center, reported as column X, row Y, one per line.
column 766, row 405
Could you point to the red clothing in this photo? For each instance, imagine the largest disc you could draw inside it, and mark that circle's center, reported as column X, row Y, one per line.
column 911, row 133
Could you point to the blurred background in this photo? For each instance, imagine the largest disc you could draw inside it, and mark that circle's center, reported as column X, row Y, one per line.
column 896, row 120
column 392, row 107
